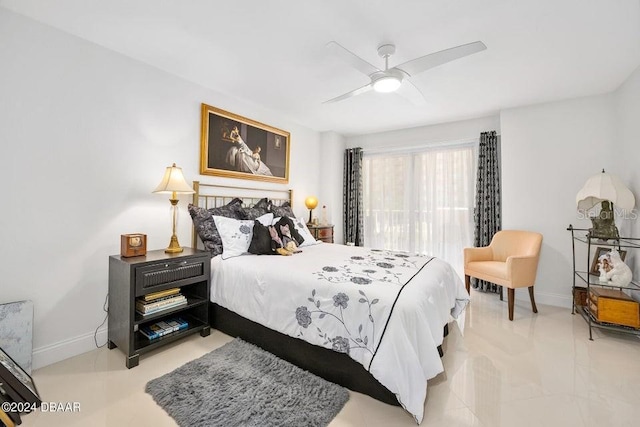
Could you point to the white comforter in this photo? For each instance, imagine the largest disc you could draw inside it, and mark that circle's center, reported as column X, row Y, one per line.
column 386, row 310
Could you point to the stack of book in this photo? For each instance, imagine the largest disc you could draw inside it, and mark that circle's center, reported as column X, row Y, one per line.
column 164, row 327
column 160, row 301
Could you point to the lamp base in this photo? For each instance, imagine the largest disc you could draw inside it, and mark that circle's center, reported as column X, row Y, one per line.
column 604, row 234
column 174, row 246
column 604, row 227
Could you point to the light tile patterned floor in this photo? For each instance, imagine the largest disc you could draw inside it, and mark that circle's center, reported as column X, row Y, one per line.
column 539, row 370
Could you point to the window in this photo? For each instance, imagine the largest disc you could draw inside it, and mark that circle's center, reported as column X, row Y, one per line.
column 421, row 201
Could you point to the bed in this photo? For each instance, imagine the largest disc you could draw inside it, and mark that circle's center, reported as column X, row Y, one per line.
column 371, row 320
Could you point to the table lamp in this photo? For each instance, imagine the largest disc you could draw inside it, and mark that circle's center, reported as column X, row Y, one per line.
column 173, row 182
column 311, row 203
column 607, row 190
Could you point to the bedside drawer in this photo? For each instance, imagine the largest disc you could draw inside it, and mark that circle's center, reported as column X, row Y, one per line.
column 324, row 233
column 153, row 276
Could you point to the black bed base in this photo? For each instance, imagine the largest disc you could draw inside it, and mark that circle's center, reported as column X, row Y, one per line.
column 336, row 367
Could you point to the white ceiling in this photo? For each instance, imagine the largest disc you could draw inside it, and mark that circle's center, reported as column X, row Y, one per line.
column 272, row 53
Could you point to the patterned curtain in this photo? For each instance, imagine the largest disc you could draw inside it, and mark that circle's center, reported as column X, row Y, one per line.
column 352, row 197
column 487, row 212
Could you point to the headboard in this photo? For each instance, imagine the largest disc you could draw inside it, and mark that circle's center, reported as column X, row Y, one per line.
column 213, row 196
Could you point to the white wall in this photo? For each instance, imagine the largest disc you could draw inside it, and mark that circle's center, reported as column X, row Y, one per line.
column 548, row 152
column 424, row 135
column 626, row 151
column 331, row 181
column 85, row 135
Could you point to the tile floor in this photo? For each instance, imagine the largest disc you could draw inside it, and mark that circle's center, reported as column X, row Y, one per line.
column 539, row 370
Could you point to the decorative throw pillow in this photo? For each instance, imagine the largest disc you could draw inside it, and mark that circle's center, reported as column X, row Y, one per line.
column 206, row 227
column 235, row 234
column 257, row 210
column 282, row 210
column 302, row 229
column 261, row 240
column 277, row 222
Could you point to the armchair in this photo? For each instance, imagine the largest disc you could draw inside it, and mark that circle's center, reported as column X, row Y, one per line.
column 511, row 261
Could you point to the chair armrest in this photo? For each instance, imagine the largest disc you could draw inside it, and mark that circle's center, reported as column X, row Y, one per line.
column 521, row 270
column 478, row 254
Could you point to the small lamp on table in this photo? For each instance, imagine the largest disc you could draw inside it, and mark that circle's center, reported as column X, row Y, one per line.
column 173, row 182
column 310, row 202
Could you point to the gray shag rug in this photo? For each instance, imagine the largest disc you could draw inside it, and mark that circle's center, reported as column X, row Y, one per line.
column 240, row 384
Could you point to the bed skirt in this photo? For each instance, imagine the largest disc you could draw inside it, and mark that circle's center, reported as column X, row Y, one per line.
column 336, row 367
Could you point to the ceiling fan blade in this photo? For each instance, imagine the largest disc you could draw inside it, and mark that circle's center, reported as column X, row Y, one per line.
column 426, row 62
column 411, row 92
column 352, row 59
column 358, row 91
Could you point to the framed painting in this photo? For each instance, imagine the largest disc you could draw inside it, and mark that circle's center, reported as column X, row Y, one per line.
column 237, row 147
column 599, row 252
column 16, row 382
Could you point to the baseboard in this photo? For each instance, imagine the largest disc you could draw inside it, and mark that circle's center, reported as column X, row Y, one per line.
column 52, row 353
column 558, row 300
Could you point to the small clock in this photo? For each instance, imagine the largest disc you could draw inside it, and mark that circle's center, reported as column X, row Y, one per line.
column 133, row 245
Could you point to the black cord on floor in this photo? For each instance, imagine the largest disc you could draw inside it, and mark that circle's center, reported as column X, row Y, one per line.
column 105, row 308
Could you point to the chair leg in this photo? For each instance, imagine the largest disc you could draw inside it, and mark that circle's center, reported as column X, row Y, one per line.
column 467, row 283
column 511, row 297
column 533, row 300
column 501, row 288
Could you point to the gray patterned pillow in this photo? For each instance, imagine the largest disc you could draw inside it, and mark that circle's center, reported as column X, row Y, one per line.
column 257, row 210
column 206, row 227
column 282, row 210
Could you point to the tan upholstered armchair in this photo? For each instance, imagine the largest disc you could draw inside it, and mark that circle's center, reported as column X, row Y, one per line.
column 511, row 260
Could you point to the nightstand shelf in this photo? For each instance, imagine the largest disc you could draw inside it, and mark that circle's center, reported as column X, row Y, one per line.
column 135, row 277
column 143, row 344
column 191, row 302
column 594, row 280
column 589, row 317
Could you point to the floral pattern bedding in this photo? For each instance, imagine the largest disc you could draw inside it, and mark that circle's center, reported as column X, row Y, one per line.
column 382, row 274
column 385, row 309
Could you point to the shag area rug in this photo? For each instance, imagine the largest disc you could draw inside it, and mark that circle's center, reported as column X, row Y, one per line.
column 240, row 384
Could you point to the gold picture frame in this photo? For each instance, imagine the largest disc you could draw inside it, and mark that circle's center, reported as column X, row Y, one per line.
column 233, row 146
column 599, row 252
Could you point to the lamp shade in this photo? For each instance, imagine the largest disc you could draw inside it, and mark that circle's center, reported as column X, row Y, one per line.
column 605, row 186
column 173, row 181
column 311, row 202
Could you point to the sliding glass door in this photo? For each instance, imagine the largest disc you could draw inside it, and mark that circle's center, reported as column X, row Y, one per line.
column 421, row 201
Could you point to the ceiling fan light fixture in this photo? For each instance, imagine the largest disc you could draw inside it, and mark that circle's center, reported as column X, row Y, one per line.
column 387, row 84
column 390, row 79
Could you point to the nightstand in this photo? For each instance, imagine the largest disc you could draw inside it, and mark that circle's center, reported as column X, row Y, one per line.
column 321, row 232
column 132, row 278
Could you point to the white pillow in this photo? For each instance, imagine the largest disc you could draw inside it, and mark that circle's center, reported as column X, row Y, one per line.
column 235, row 234
column 301, row 226
column 266, row 219
column 302, row 229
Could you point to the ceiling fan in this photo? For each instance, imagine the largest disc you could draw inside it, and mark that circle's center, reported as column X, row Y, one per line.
column 398, row 77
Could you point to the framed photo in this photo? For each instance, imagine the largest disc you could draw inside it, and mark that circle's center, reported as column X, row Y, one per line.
column 16, row 382
column 237, row 147
column 599, row 252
